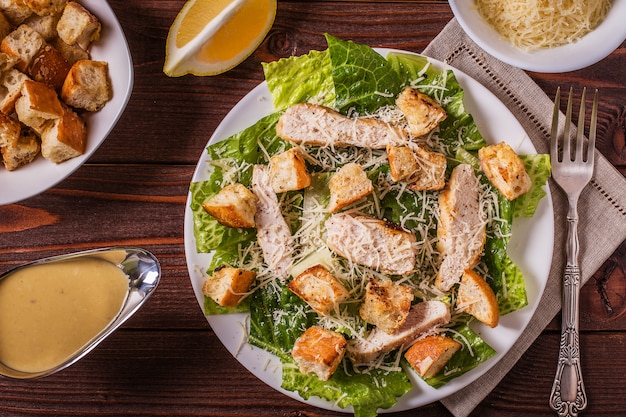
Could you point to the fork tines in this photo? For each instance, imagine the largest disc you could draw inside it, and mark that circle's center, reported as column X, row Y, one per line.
column 566, row 140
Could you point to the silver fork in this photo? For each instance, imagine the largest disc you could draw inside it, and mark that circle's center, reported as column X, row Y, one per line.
column 572, row 173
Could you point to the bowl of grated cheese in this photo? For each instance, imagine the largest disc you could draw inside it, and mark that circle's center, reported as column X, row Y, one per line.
column 544, row 35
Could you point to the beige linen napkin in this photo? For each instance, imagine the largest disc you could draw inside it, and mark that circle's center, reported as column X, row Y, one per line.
column 602, row 206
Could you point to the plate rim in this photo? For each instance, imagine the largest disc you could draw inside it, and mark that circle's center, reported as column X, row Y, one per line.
column 233, row 344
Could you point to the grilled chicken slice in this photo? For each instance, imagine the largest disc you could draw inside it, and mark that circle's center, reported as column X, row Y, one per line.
column 273, row 233
column 423, row 318
column 372, row 242
column 461, row 230
column 318, row 125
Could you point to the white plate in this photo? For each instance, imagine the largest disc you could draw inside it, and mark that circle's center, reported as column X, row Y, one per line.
column 41, row 174
column 592, row 48
column 530, row 248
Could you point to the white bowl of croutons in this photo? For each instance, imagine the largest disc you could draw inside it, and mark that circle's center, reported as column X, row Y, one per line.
column 66, row 76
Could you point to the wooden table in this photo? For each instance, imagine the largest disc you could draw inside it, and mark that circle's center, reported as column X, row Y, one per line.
column 166, row 361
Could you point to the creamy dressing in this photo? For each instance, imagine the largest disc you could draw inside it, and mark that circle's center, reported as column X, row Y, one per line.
column 48, row 312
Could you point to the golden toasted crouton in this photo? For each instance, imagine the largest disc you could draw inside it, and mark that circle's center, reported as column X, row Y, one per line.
column 45, row 25
column 476, row 297
column 23, row 151
column 15, row 11
column 87, row 85
column 320, row 289
column 77, row 26
column 38, row 105
column 64, row 138
column 227, row 286
column 422, row 113
column 419, row 167
column 319, row 351
column 45, row 7
column 23, row 43
column 386, row 304
column 288, row 171
column 71, row 53
column 347, row 185
column 5, row 26
column 430, row 354
column 49, row 67
column 505, row 170
column 9, row 130
column 233, row 206
column 11, row 83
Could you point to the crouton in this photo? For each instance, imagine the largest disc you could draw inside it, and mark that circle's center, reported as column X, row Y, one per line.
column 38, row 105
column 71, row 53
column 23, row 151
column 347, row 185
column 429, row 355
column 505, row 170
column 320, row 289
column 45, row 7
column 319, row 351
column 87, row 85
column 233, row 206
column 77, row 26
column 23, row 43
column 227, row 286
column 9, row 130
column 15, row 11
column 49, row 67
column 64, row 138
column 5, row 26
column 45, row 25
column 11, row 83
column 386, row 304
column 476, row 297
column 423, row 114
column 419, row 167
column 288, row 171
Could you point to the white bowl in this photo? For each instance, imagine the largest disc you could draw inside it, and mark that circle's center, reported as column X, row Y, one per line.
column 590, row 49
column 41, row 174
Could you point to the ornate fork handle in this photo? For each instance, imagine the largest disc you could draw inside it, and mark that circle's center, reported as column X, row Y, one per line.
column 568, row 396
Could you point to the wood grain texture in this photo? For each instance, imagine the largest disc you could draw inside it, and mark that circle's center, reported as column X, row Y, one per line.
column 166, row 361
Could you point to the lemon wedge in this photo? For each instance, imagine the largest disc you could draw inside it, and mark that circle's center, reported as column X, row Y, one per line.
column 209, row 37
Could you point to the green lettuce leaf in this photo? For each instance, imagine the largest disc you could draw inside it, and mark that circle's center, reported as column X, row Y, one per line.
column 300, row 79
column 539, row 169
column 364, row 80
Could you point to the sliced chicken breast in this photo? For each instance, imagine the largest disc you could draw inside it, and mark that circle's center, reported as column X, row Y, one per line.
column 318, row 125
column 273, row 233
column 423, row 318
column 461, row 230
column 372, row 242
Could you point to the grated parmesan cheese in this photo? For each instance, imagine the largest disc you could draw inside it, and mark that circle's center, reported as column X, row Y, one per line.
column 536, row 24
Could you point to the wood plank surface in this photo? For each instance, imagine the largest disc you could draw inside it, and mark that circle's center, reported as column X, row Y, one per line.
column 166, row 361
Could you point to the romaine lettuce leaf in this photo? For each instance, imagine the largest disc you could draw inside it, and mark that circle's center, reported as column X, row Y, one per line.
column 539, row 169
column 301, row 79
column 364, row 80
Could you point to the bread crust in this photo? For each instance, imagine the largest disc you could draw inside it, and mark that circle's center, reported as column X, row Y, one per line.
column 430, row 354
column 477, row 298
column 319, row 351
